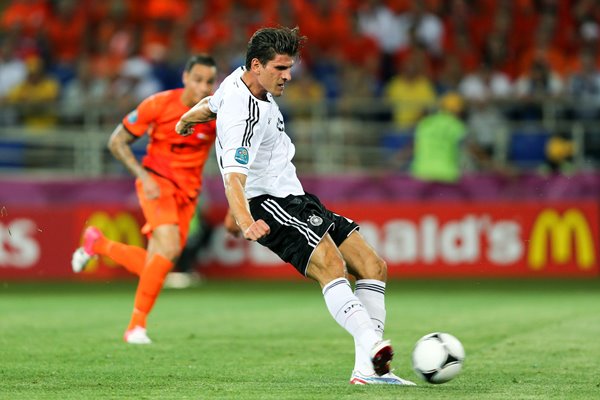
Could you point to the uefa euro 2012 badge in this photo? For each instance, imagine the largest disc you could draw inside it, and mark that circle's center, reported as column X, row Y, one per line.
column 241, row 155
column 132, row 117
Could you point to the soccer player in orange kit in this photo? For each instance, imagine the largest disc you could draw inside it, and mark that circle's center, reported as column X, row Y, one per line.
column 168, row 182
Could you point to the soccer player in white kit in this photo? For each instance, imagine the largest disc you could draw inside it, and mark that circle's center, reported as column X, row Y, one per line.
column 270, row 206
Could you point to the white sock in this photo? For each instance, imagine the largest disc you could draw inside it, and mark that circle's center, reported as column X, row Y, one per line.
column 350, row 313
column 371, row 293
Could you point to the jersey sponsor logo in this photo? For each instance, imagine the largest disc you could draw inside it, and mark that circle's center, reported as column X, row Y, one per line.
column 241, row 155
column 202, row 136
column 132, row 117
column 315, row 220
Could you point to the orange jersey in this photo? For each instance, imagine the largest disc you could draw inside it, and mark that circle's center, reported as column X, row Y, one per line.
column 178, row 158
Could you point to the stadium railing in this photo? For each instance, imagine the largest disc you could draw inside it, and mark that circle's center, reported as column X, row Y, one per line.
column 358, row 138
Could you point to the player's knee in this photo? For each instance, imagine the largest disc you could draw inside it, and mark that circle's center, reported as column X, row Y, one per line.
column 325, row 272
column 337, row 267
column 375, row 268
column 171, row 250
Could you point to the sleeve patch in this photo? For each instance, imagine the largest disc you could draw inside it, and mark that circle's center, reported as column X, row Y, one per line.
column 132, row 117
column 241, row 155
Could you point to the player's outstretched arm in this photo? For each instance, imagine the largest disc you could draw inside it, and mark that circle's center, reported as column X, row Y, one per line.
column 199, row 113
column 239, row 208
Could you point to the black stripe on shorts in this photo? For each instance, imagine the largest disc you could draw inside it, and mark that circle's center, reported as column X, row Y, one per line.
column 298, row 223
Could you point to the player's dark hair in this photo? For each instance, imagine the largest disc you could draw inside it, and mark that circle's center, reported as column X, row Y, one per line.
column 202, row 59
column 266, row 43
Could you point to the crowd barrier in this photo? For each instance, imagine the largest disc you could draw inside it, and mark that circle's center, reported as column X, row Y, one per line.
column 530, row 226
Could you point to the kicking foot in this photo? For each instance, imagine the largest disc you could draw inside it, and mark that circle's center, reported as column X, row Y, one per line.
column 83, row 255
column 388, row 379
column 381, row 357
column 137, row 335
column 90, row 236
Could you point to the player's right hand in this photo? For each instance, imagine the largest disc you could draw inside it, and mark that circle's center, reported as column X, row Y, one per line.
column 151, row 188
column 257, row 230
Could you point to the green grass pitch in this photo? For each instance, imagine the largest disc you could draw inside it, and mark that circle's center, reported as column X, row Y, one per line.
column 533, row 339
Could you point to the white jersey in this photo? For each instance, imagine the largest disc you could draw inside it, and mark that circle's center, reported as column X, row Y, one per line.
column 251, row 140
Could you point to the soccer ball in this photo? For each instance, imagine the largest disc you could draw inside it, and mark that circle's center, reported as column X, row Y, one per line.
column 438, row 357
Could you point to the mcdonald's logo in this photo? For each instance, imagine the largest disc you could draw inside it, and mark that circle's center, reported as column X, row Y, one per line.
column 561, row 235
column 122, row 227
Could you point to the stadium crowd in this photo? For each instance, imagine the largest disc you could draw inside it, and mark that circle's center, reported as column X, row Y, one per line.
column 505, row 58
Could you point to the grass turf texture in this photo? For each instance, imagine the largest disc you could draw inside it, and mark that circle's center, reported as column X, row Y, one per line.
column 236, row 340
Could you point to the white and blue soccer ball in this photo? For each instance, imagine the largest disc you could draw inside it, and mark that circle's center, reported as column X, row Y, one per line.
column 438, row 357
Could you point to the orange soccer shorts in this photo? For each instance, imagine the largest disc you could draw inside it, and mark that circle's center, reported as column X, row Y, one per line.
column 171, row 207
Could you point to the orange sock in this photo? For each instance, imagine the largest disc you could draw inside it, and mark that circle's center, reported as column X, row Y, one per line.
column 132, row 258
column 151, row 282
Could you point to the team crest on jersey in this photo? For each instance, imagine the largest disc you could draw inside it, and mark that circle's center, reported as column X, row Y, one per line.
column 280, row 125
column 241, row 155
column 132, row 117
column 315, row 220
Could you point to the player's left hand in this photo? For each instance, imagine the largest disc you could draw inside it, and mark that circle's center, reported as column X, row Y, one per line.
column 184, row 128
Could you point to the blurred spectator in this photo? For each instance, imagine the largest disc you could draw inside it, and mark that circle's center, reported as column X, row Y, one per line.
column 12, row 69
column 450, row 75
column 544, row 49
column 13, row 72
column 325, row 22
column 535, row 88
column 378, row 21
column 35, row 97
column 205, row 28
column 67, row 34
column 302, row 93
column 463, row 49
column 83, row 95
column 427, row 27
column 488, row 138
column 485, row 84
column 349, row 121
column 134, row 83
column 583, row 88
column 437, row 142
column 465, row 27
column 410, row 93
column 499, row 48
column 415, row 48
column 363, row 50
column 27, row 17
column 115, row 36
column 559, row 152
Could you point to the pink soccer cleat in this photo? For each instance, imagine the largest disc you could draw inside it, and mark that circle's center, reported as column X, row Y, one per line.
column 83, row 255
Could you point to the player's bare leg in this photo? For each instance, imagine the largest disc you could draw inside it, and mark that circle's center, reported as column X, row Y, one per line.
column 371, row 274
column 327, row 267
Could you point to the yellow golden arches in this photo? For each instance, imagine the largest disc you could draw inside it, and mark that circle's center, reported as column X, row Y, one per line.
column 560, row 232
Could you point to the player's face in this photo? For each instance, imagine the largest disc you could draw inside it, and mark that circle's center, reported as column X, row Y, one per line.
column 275, row 74
column 199, row 82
